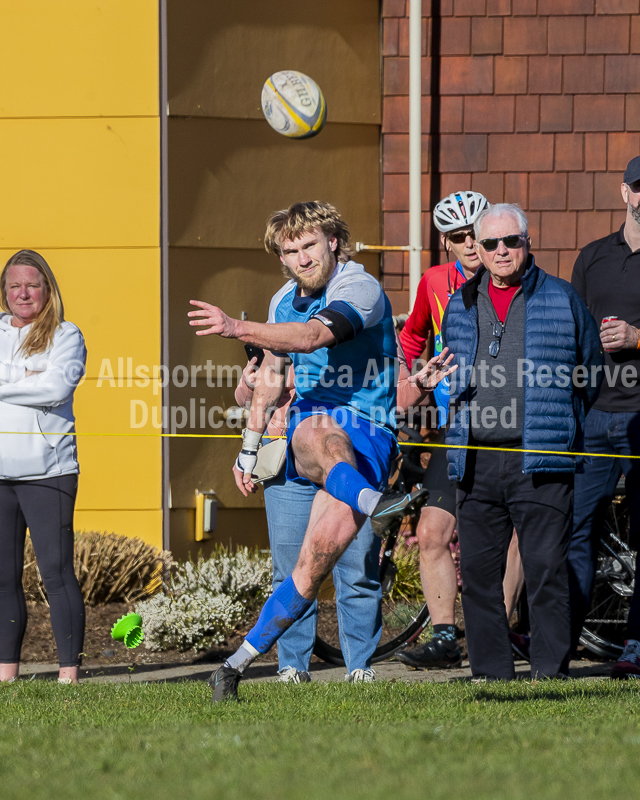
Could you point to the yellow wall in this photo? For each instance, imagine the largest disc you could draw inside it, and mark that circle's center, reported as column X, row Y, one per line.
column 80, row 177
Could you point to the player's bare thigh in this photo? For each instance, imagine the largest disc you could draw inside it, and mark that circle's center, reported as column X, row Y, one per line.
column 332, row 527
column 318, row 444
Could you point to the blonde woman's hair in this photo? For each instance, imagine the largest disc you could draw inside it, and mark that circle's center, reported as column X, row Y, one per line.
column 40, row 337
column 300, row 218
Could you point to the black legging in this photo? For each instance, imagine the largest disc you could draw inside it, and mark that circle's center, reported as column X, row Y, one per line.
column 46, row 508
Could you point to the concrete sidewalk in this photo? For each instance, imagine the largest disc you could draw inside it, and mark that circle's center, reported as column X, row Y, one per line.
column 323, row 673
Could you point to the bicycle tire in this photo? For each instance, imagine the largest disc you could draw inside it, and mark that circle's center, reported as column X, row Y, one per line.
column 392, row 641
column 606, row 621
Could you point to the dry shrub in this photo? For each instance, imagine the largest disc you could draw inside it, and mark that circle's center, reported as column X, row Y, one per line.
column 111, row 569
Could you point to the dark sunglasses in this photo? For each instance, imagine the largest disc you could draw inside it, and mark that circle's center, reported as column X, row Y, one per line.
column 494, row 344
column 460, row 237
column 512, row 242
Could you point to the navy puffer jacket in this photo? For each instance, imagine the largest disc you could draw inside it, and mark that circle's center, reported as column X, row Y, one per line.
column 559, row 333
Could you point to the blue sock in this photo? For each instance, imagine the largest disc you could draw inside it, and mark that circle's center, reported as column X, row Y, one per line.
column 281, row 610
column 345, row 483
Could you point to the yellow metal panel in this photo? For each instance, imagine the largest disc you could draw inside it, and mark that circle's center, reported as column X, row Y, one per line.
column 79, row 58
column 146, row 525
column 79, row 183
column 118, row 472
column 102, row 291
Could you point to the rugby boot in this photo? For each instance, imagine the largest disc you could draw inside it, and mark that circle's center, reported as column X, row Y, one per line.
column 432, row 655
column 393, row 507
column 224, row 683
column 628, row 665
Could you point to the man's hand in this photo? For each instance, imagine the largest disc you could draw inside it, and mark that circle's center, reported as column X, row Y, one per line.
column 250, row 372
column 435, row 370
column 243, row 481
column 617, row 335
column 213, row 317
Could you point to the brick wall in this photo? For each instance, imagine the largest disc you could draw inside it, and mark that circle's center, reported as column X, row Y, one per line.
column 533, row 101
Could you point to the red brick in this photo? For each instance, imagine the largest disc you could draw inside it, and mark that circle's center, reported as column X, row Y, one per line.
column 569, row 148
column 598, row 113
column 392, row 282
column 583, row 74
column 523, row 8
column 454, row 183
column 403, row 37
column 488, row 115
column 521, row 152
column 607, row 190
column 486, row 35
column 451, row 114
column 621, row 148
column 515, row 188
column 511, row 75
column 395, row 115
column 390, row 37
column 617, row 218
column 426, row 114
column 607, row 34
column 395, row 193
column 548, row 261
column 533, row 218
column 396, row 228
column 545, row 74
column 392, row 264
column 426, row 75
column 556, row 113
column 595, row 151
column 455, row 37
column 558, row 229
column 466, row 153
column 527, row 113
column 593, row 225
column 446, row 8
column 632, row 117
column 622, row 74
column 617, row 6
column 547, row 191
column 635, row 34
column 565, row 264
column 525, row 36
column 460, row 75
column 469, row 8
column 498, row 8
column 396, row 76
column 552, row 8
column 426, row 192
column 395, row 153
column 580, row 191
column 393, row 8
column 490, row 184
column 399, row 301
column 566, row 36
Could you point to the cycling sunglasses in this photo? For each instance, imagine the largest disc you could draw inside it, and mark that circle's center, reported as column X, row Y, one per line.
column 512, row 241
column 460, row 237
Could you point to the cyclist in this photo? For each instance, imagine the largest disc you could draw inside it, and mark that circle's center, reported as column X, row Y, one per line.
column 453, row 217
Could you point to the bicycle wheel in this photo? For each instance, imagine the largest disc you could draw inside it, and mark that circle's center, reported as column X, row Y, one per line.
column 404, row 616
column 604, row 629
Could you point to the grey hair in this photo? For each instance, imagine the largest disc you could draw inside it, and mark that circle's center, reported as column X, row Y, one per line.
column 502, row 210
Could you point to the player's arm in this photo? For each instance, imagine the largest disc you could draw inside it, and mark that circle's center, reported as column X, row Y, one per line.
column 269, row 385
column 281, row 337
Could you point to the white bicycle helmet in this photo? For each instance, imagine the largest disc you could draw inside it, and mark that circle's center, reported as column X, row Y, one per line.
column 458, row 210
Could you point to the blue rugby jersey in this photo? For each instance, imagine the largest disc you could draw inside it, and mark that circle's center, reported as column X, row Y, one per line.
column 359, row 372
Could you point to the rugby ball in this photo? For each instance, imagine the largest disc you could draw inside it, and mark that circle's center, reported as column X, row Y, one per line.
column 293, row 104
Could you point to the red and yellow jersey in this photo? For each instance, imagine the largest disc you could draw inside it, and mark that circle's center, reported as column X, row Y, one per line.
column 434, row 290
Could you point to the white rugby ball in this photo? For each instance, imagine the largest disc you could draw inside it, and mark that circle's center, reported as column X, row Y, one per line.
column 293, row 104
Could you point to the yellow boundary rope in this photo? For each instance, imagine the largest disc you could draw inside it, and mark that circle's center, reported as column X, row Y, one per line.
column 402, row 444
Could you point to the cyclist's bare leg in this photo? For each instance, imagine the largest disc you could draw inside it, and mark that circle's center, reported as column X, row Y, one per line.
column 513, row 577
column 437, row 570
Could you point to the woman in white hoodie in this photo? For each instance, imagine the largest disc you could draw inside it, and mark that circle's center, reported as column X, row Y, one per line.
column 42, row 359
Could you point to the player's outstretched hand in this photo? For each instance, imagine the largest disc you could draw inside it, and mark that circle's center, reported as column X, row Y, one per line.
column 244, row 482
column 435, row 370
column 213, row 318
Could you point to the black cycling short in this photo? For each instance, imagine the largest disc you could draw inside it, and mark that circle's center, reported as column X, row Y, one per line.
column 442, row 491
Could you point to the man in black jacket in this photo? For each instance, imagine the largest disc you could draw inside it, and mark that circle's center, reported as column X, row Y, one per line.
column 606, row 275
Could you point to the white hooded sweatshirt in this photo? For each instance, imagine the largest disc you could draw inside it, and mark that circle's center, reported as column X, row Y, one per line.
column 41, row 405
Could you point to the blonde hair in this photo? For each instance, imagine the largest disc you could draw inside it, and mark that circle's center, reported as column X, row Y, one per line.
column 300, row 218
column 40, row 337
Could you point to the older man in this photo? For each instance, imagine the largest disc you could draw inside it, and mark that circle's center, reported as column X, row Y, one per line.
column 522, row 339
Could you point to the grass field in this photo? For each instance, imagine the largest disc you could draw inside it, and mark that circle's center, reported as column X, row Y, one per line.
column 387, row 740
